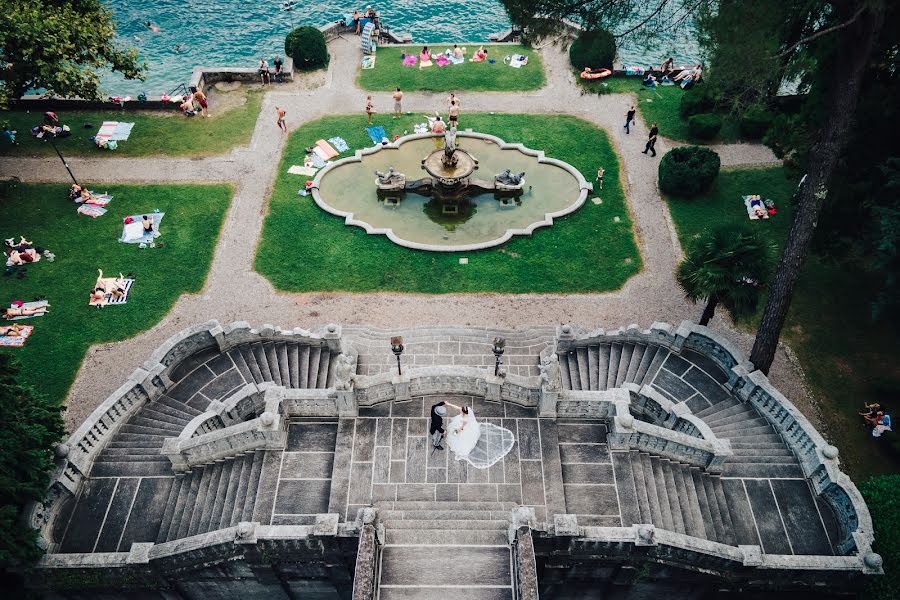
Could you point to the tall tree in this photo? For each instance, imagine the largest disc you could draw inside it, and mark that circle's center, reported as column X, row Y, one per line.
column 727, row 265
column 60, row 46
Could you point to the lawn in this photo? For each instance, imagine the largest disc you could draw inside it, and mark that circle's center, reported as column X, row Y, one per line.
column 660, row 107
column 155, row 132
column 389, row 72
column 52, row 355
column 304, row 248
column 847, row 358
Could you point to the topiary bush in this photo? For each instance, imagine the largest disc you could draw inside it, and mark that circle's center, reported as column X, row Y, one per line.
column 688, row 171
column 755, row 122
column 594, row 49
column 697, row 101
column 704, row 126
column 306, row 45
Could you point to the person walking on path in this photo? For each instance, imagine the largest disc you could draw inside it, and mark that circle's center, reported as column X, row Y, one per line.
column 629, row 119
column 281, row 124
column 398, row 106
column 370, row 108
column 651, row 140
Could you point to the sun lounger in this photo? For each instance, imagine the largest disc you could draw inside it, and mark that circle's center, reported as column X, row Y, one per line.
column 16, row 341
column 37, row 304
column 109, row 283
column 133, row 233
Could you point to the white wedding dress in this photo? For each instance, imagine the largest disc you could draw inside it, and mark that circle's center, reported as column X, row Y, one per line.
column 479, row 444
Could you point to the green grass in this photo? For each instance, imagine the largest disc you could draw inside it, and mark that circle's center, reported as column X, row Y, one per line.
column 304, row 248
column 846, row 357
column 52, row 355
column 154, row 133
column 660, row 107
column 389, row 72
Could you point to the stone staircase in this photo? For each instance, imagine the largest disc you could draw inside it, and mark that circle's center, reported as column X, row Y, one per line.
column 673, row 496
column 135, row 450
column 432, row 546
column 287, row 364
column 606, row 366
column 210, row 497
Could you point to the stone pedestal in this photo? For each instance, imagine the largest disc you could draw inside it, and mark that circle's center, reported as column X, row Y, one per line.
column 401, row 387
column 346, row 403
column 493, row 388
column 548, row 401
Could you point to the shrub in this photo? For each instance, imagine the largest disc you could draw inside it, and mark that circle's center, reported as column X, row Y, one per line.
column 882, row 495
column 306, row 45
column 688, row 171
column 696, row 101
column 595, row 49
column 704, row 126
column 755, row 122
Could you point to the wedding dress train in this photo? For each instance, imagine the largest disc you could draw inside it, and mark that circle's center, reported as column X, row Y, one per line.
column 479, row 444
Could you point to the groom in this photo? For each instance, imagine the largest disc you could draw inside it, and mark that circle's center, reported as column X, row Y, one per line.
column 438, row 412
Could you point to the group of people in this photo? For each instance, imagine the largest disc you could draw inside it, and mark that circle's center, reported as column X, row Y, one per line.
column 669, row 74
column 876, row 419
column 266, row 76
column 195, row 98
column 20, row 253
column 368, row 15
column 437, row 125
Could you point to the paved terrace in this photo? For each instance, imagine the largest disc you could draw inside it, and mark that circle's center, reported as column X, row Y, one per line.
column 235, row 292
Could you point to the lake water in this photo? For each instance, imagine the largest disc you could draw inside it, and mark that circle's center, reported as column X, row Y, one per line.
column 237, row 33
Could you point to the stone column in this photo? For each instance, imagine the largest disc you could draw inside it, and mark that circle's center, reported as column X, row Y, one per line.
column 332, row 337
column 548, row 401
column 401, row 387
column 346, row 403
column 493, row 388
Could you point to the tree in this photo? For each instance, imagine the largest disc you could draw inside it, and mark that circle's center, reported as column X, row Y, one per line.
column 60, row 47
column 31, row 425
column 727, row 265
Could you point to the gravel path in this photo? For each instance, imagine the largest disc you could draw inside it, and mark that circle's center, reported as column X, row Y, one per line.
column 235, row 292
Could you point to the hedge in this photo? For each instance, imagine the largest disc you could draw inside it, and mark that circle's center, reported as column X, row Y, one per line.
column 704, row 126
column 306, row 45
column 882, row 495
column 696, row 101
column 594, row 49
column 755, row 122
column 688, row 171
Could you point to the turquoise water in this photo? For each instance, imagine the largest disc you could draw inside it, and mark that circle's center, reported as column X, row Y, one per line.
column 237, row 33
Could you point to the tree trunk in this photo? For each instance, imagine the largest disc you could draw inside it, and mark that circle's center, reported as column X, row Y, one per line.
column 855, row 47
column 710, row 310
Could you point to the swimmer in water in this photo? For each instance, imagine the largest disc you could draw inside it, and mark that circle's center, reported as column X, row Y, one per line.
column 179, row 47
column 136, row 37
column 152, row 27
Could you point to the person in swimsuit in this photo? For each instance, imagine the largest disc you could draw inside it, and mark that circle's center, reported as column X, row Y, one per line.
column 370, row 108
column 18, row 258
column 280, row 122
column 23, row 311
column 692, row 73
column 200, row 97
column 356, row 17
column 147, row 223
column 398, row 103
column 438, row 126
column 667, row 66
column 454, row 114
column 11, row 330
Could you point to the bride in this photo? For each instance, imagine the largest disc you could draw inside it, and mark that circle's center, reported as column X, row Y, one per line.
column 464, row 431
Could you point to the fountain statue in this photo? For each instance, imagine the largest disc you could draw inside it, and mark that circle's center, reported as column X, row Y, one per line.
column 508, row 181
column 450, row 159
column 390, row 181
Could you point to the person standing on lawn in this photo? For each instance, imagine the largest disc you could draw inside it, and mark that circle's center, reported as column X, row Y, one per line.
column 651, row 140
column 629, row 118
column 370, row 108
column 398, row 106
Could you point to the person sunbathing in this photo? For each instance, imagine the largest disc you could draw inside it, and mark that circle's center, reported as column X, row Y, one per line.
column 480, row 54
column 438, row 126
column 425, row 57
column 147, row 223
column 75, row 192
column 667, row 66
column 457, row 52
column 11, row 330
column 694, row 74
column 23, row 244
column 17, row 258
column 24, row 311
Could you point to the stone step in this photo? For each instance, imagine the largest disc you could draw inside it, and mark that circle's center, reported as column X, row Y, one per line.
column 758, row 439
column 139, row 420
column 724, row 405
column 253, row 483
column 315, row 354
column 293, row 355
column 130, row 469
column 690, row 503
column 584, row 375
column 761, row 459
column 169, row 513
column 693, row 478
column 624, row 363
column 735, row 414
column 250, row 358
column 650, row 483
column 189, row 411
column 712, row 504
column 614, row 355
column 238, row 359
column 646, row 360
column 431, row 505
column 125, row 437
column 161, row 412
column 434, row 537
column 270, row 351
column 130, row 449
column 212, row 522
column 259, row 352
column 145, row 430
column 746, row 424
column 452, row 525
column 603, row 352
column 593, row 360
column 303, row 372
column 230, row 493
column 737, row 444
column 637, row 355
column 640, row 487
column 675, row 495
column 283, row 365
column 443, row 514
column 659, row 477
column 661, row 355
column 209, row 472
column 625, row 488
column 724, row 510
column 749, row 432
column 240, row 493
column 190, row 504
column 209, row 502
column 103, row 457
column 762, row 470
column 324, row 369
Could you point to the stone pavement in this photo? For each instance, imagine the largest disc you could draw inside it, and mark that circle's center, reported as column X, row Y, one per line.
column 235, row 292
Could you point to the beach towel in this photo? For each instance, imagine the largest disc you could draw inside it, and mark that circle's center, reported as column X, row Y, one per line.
column 91, row 210
column 339, row 143
column 28, row 305
column 442, row 61
column 410, row 60
column 17, row 341
column 108, row 283
column 107, row 130
column 368, row 62
column 133, row 233
column 518, row 61
column 456, row 61
column 317, row 161
column 98, row 199
column 751, row 211
column 306, row 171
column 326, row 148
column 122, row 131
column 365, row 38
column 320, row 153
column 425, row 63
column 377, row 133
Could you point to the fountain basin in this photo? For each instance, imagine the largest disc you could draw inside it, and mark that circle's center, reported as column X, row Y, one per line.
column 478, row 220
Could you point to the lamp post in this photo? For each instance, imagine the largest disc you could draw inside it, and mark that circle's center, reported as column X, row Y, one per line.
column 49, row 135
column 397, row 349
column 497, row 348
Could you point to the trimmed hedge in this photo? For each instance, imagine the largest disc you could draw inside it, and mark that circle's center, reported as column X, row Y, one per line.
column 697, row 101
column 688, row 171
column 755, row 122
column 704, row 126
column 882, row 495
column 594, row 49
column 306, row 45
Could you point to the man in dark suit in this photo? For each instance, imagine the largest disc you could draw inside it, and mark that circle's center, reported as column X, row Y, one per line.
column 438, row 412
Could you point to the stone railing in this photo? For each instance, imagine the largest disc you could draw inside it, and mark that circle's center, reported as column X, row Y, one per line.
column 371, row 533
column 524, row 563
column 818, row 459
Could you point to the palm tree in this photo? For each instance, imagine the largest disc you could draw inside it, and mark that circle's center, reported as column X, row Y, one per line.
column 729, row 265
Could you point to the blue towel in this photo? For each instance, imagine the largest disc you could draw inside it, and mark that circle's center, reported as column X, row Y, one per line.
column 317, row 161
column 339, row 143
column 377, row 133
